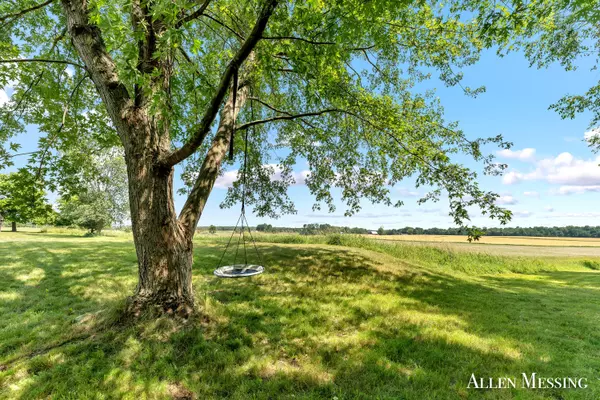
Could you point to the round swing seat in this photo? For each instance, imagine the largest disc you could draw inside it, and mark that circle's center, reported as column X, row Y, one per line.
column 239, row 271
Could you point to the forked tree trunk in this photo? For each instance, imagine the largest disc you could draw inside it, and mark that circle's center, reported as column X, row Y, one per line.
column 164, row 249
column 163, row 241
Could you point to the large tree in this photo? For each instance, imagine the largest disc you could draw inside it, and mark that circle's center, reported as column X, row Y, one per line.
column 333, row 83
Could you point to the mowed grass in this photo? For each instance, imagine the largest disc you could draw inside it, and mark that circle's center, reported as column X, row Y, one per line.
column 324, row 321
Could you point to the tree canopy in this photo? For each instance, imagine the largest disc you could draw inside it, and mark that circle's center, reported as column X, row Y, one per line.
column 21, row 200
column 333, row 83
column 88, row 211
column 551, row 31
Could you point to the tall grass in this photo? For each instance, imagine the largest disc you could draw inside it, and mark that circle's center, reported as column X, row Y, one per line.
column 437, row 257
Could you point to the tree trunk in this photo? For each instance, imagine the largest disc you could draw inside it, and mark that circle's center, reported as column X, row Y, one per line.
column 163, row 241
column 14, row 226
column 163, row 248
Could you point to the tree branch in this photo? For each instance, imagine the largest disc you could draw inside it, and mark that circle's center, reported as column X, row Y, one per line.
column 20, row 13
column 199, row 12
column 225, row 26
column 87, row 40
column 209, row 115
column 44, row 60
column 209, row 172
column 286, row 117
column 268, row 105
column 316, row 42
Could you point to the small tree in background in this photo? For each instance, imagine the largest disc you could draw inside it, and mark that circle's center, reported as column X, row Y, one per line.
column 88, row 211
column 381, row 231
column 99, row 198
column 21, row 200
column 264, row 228
column 212, row 229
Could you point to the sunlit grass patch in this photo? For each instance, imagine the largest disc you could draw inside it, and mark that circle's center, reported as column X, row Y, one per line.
column 323, row 321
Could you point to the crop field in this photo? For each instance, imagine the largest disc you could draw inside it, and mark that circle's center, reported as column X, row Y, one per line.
column 505, row 245
column 497, row 240
column 495, row 245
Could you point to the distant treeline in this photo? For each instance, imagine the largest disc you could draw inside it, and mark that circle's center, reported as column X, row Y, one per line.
column 542, row 231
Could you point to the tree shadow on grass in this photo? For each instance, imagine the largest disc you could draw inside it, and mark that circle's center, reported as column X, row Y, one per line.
column 321, row 322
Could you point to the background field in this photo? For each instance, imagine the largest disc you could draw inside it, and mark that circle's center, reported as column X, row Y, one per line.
column 333, row 316
column 506, row 240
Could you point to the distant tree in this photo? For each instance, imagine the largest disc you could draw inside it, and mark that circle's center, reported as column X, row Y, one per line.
column 107, row 178
column 88, row 211
column 212, row 229
column 22, row 199
column 264, row 228
column 381, row 231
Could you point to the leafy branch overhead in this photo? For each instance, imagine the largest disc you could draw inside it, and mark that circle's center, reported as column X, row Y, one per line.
column 332, row 83
column 548, row 32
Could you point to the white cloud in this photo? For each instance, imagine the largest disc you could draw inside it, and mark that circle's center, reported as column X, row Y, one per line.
column 531, row 194
column 506, row 200
column 564, row 169
column 527, row 154
column 549, row 208
column 226, row 180
column 568, row 189
column 367, row 215
column 523, row 214
column 406, row 192
column 576, row 215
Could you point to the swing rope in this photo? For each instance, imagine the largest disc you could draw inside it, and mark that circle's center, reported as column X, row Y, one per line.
column 242, row 219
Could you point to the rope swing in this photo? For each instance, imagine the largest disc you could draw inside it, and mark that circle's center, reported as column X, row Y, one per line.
column 240, row 270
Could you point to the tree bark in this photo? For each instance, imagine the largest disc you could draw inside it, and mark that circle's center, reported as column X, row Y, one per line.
column 164, row 251
column 163, row 242
column 211, row 166
column 14, row 226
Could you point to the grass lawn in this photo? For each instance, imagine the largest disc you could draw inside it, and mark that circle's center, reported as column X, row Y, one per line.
column 377, row 321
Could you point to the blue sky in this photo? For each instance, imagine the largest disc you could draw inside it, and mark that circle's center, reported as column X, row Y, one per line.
column 553, row 177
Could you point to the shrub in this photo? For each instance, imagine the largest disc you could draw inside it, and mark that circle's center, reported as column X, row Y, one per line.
column 334, row 239
column 595, row 265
